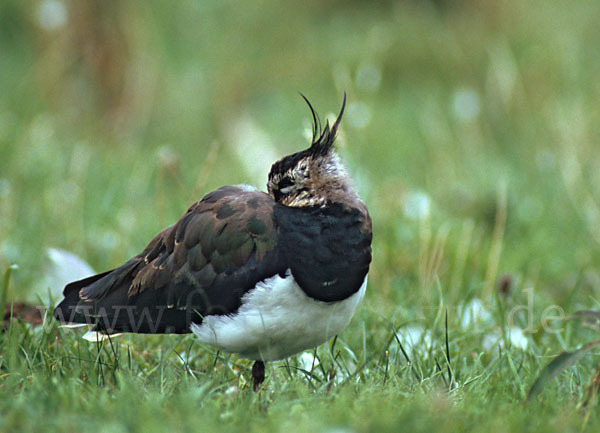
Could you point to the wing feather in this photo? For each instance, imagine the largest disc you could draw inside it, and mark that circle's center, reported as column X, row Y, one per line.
column 219, row 249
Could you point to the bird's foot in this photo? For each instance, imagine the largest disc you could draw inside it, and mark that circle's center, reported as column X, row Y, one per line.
column 258, row 375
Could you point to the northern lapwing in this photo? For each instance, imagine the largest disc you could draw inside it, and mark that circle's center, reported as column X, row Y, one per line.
column 263, row 275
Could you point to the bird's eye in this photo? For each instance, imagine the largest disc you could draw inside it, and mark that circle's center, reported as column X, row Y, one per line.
column 285, row 184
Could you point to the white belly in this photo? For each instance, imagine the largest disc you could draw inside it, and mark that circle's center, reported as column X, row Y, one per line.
column 277, row 320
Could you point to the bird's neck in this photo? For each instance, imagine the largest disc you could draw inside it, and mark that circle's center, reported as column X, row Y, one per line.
column 333, row 184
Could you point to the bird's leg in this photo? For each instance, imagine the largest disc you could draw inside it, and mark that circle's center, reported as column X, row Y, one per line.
column 258, row 375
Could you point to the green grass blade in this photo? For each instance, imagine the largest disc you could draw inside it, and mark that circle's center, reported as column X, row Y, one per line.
column 5, row 287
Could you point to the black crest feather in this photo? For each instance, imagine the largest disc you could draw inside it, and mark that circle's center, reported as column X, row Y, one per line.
column 323, row 138
column 322, row 141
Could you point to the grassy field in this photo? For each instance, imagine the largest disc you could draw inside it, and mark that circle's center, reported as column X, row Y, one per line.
column 472, row 131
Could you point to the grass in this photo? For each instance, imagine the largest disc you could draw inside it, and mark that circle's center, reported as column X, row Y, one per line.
column 472, row 132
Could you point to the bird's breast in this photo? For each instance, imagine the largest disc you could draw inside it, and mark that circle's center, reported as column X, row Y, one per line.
column 328, row 249
column 277, row 319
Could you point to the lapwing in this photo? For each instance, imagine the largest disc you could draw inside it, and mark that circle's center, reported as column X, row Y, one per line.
column 262, row 275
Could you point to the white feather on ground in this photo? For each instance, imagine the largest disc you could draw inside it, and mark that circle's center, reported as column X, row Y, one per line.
column 62, row 267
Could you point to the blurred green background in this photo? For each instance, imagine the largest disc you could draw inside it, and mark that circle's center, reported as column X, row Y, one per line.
column 472, row 132
column 463, row 116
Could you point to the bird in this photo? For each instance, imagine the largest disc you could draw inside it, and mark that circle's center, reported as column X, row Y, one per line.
column 264, row 275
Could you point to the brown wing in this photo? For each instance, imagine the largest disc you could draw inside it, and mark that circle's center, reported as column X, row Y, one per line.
column 221, row 247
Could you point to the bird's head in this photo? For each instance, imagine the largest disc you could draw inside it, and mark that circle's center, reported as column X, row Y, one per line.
column 315, row 175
